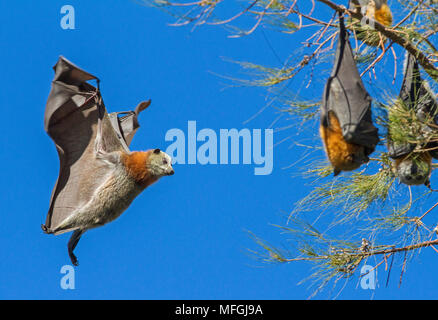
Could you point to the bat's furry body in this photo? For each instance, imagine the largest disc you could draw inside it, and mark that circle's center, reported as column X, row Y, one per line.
column 383, row 14
column 343, row 156
column 99, row 176
column 413, row 161
column 377, row 10
column 128, row 175
column 347, row 130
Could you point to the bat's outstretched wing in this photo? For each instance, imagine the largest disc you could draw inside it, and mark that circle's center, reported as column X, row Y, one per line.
column 76, row 120
column 415, row 94
column 125, row 123
column 345, row 95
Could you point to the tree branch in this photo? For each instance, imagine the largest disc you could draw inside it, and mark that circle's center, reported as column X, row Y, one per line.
column 394, row 36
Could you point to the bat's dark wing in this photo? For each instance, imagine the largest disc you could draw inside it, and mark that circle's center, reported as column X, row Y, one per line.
column 345, row 95
column 415, row 94
column 74, row 115
column 399, row 150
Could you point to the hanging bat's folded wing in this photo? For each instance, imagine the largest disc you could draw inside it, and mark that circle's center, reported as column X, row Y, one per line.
column 74, row 115
column 399, row 150
column 346, row 96
column 416, row 94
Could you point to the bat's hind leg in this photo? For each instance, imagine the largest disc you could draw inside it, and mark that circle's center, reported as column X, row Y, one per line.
column 72, row 245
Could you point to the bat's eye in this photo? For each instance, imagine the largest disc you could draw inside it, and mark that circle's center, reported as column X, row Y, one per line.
column 164, row 161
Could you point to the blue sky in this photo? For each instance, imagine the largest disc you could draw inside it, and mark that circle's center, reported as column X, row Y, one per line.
column 185, row 237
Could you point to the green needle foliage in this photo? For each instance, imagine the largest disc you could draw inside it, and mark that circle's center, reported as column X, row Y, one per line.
column 357, row 192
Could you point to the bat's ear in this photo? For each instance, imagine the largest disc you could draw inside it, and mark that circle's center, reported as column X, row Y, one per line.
column 157, row 151
column 336, row 172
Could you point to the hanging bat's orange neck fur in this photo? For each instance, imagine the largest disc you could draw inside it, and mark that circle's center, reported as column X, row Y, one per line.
column 136, row 164
column 340, row 153
column 384, row 15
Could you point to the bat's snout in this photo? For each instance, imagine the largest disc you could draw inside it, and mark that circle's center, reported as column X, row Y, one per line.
column 171, row 172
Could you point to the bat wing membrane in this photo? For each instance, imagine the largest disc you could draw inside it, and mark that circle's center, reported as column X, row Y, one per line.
column 346, row 96
column 415, row 94
column 74, row 115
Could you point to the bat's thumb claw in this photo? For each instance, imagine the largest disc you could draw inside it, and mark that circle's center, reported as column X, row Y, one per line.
column 45, row 229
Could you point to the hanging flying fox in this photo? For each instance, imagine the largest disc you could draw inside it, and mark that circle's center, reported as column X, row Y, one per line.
column 98, row 177
column 413, row 161
column 374, row 9
column 346, row 129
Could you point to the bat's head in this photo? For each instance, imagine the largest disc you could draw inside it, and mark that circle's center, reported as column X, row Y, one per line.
column 352, row 159
column 160, row 163
column 414, row 169
column 360, row 156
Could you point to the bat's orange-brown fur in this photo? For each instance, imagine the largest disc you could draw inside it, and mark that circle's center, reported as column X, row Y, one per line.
column 136, row 164
column 342, row 155
column 383, row 15
column 380, row 12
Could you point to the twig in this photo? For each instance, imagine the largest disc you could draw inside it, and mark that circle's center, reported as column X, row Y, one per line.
column 394, row 36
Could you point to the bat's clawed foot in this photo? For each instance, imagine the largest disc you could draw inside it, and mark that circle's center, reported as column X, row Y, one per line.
column 427, row 184
column 72, row 245
column 73, row 259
